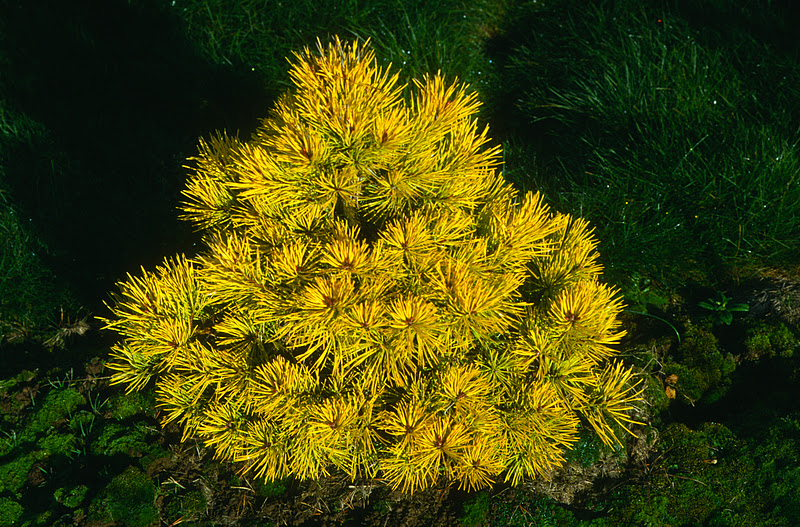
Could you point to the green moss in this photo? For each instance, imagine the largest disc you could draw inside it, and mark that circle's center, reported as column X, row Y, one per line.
column 382, row 508
column 71, row 497
column 769, row 340
column 58, row 405
column 7, row 385
column 154, row 452
column 134, row 403
column 531, row 510
column 476, row 511
column 779, row 474
column 692, row 451
column 45, row 518
column 10, row 511
column 14, row 473
column 708, row 476
column 130, row 499
column 82, row 422
column 132, row 440
column 58, row 444
column 586, row 451
column 655, row 395
column 702, row 369
column 269, row 489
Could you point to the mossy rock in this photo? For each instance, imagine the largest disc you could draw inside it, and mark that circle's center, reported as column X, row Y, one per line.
column 128, row 500
column 131, row 440
column 14, row 473
column 654, row 394
column 82, row 422
column 773, row 339
column 7, row 385
column 695, row 450
column 59, row 444
column 10, row 511
column 58, row 405
column 586, row 451
column 702, row 369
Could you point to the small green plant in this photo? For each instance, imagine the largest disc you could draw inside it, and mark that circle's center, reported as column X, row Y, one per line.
column 722, row 309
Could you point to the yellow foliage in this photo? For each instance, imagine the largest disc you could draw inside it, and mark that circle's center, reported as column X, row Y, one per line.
column 373, row 297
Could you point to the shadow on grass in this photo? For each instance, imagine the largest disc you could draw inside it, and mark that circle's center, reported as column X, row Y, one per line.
column 123, row 97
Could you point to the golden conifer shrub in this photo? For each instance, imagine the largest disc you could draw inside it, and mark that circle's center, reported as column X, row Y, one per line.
column 374, row 298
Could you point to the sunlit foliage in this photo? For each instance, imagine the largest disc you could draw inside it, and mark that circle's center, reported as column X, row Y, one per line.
column 374, row 298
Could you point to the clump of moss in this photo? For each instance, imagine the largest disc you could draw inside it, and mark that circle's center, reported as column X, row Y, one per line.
column 131, row 440
column 709, row 476
column 476, row 511
column 127, row 405
column 58, row 405
column 769, row 339
column 14, row 473
column 269, row 489
column 10, row 511
column 71, row 497
column 702, row 369
column 58, row 444
column 129, row 500
column 586, row 451
column 82, row 422
column 6, row 385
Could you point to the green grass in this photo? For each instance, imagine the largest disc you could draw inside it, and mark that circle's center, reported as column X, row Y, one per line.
column 680, row 157
column 30, row 295
column 419, row 37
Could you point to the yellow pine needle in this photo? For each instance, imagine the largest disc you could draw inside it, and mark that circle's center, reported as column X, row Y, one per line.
column 462, row 388
column 294, row 262
column 480, row 464
column 277, row 384
column 407, row 472
column 347, row 254
column 613, row 398
column 133, row 367
column 406, row 421
column 588, row 312
column 413, row 326
column 570, row 376
column 501, row 370
column 441, row 445
column 438, row 106
column 220, row 428
column 181, row 398
column 209, row 198
column 317, row 317
column 265, row 447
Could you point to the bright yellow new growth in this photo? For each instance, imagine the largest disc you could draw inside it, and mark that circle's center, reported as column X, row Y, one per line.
column 373, row 297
